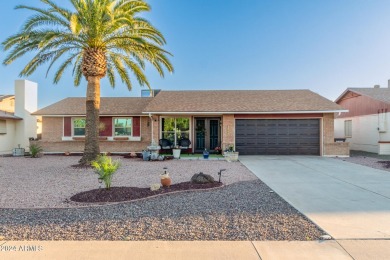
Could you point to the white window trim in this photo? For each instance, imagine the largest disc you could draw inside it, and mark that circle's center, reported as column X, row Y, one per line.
column 113, row 126
column 189, row 130
column 109, row 138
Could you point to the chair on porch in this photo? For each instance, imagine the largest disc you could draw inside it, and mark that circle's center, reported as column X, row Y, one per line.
column 184, row 144
column 166, row 145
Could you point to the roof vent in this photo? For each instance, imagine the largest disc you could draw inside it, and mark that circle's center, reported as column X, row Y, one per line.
column 377, row 86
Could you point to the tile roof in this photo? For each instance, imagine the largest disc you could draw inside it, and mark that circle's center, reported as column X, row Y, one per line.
column 240, row 101
column 381, row 94
column 108, row 106
column 5, row 96
column 6, row 115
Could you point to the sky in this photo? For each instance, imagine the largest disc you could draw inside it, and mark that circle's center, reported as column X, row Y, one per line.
column 322, row 45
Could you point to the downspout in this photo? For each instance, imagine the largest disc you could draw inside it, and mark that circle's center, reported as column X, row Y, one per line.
column 322, row 137
column 151, row 122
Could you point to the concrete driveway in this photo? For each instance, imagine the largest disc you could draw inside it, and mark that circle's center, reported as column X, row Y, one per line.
column 347, row 200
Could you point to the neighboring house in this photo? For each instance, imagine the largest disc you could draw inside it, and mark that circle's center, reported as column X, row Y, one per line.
column 17, row 124
column 253, row 121
column 366, row 126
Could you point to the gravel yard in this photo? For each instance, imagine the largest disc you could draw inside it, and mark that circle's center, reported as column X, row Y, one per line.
column 244, row 209
column 367, row 159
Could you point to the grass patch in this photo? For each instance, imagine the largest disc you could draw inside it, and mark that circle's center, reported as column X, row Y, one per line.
column 195, row 155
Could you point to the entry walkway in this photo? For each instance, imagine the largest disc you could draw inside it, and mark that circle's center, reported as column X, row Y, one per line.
column 347, row 200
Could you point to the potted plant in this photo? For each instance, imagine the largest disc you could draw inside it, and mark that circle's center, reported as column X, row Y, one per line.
column 205, row 154
column 176, row 152
column 230, row 154
column 218, row 150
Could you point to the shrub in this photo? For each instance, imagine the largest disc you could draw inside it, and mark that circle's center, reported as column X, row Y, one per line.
column 105, row 167
column 35, row 150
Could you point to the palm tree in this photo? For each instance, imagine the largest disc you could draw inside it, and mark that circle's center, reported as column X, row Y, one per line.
column 99, row 38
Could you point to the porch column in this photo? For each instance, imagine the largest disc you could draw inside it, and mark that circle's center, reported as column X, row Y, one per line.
column 228, row 131
column 155, row 128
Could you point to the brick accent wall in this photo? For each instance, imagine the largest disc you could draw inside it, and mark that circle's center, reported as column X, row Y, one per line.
column 146, row 131
column 52, row 139
column 336, row 149
column 328, row 126
column 228, row 131
column 156, row 128
column 52, row 129
column 330, row 147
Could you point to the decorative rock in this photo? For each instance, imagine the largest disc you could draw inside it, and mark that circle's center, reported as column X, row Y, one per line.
column 201, row 178
column 155, row 186
column 325, row 237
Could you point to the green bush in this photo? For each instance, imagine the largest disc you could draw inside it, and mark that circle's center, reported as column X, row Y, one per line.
column 35, row 150
column 105, row 167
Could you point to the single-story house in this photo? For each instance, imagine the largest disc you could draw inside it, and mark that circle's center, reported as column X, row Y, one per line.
column 366, row 125
column 296, row 122
column 17, row 124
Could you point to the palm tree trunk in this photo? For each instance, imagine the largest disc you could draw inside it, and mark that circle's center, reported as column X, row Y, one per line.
column 91, row 149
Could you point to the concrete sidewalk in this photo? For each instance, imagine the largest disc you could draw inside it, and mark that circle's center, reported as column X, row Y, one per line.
column 204, row 250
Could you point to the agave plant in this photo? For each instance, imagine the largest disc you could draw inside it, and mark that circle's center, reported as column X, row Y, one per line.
column 97, row 38
column 35, row 150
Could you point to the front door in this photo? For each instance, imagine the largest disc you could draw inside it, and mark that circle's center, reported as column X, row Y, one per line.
column 207, row 134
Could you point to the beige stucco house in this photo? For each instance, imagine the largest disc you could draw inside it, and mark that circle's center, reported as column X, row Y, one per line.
column 17, row 124
column 274, row 122
column 366, row 125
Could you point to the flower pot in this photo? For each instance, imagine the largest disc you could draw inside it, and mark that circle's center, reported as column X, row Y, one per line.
column 205, row 156
column 166, row 182
column 176, row 153
column 231, row 156
column 146, row 155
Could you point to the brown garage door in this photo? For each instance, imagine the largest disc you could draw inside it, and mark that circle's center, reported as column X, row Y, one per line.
column 278, row 136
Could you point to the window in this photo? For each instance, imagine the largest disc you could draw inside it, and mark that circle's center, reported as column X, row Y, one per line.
column 79, row 126
column 3, row 127
column 175, row 129
column 123, row 126
column 348, row 128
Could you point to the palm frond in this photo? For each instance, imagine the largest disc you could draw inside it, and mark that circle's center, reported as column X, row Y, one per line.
column 114, row 27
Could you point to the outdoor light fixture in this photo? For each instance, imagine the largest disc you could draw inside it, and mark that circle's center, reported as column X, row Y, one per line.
column 220, row 174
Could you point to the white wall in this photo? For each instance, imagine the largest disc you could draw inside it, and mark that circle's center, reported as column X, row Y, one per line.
column 19, row 131
column 7, row 141
column 26, row 102
column 365, row 133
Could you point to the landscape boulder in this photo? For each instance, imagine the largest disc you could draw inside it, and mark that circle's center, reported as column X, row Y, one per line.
column 201, row 178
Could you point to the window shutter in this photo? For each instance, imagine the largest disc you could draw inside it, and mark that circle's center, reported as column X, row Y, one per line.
column 107, row 123
column 136, row 126
column 67, row 126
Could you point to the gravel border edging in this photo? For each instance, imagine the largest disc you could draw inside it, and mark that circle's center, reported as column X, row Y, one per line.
column 103, row 204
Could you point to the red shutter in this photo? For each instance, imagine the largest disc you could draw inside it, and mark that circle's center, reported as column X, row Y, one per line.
column 136, row 126
column 67, row 126
column 107, row 130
